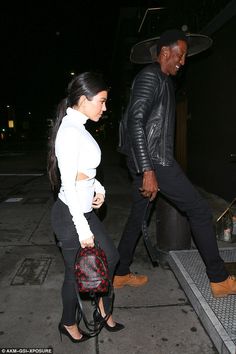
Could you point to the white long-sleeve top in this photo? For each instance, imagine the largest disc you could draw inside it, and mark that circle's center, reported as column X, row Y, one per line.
column 77, row 151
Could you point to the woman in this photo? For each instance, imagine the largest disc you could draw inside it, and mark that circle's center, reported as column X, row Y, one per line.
column 75, row 155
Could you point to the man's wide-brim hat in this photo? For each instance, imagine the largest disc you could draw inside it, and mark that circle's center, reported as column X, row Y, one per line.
column 144, row 52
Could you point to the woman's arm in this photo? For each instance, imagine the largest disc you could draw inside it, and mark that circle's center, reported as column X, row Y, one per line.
column 67, row 152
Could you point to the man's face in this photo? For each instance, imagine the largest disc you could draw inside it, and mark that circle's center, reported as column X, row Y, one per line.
column 174, row 57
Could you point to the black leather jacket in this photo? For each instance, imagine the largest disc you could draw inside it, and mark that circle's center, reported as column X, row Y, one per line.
column 147, row 127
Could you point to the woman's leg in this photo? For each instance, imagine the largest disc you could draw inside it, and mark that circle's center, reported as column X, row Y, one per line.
column 106, row 243
column 68, row 240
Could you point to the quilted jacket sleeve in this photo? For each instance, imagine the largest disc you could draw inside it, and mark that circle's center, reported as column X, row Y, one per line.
column 141, row 102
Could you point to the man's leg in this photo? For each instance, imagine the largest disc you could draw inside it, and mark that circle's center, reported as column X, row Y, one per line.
column 140, row 209
column 176, row 187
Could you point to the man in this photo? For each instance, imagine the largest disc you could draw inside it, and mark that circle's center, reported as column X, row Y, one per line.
column 147, row 138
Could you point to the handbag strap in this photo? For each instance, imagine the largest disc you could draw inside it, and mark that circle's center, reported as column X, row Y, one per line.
column 94, row 327
column 151, row 249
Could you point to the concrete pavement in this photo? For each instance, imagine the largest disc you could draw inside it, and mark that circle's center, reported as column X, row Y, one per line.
column 158, row 317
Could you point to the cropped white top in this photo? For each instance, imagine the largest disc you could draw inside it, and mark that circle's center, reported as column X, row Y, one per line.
column 77, row 151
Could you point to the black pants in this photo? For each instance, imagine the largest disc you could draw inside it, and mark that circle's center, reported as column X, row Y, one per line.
column 176, row 187
column 66, row 234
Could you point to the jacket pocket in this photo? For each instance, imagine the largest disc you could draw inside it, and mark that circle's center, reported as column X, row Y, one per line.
column 151, row 132
column 153, row 141
column 122, row 143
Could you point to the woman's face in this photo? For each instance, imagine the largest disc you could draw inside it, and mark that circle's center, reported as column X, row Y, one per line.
column 93, row 108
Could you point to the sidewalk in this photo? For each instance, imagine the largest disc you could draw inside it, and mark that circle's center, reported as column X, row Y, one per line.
column 158, row 317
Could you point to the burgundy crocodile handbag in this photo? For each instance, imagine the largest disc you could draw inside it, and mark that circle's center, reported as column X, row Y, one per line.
column 91, row 270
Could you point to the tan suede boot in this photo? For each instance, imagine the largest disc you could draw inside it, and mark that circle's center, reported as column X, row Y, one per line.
column 224, row 288
column 129, row 279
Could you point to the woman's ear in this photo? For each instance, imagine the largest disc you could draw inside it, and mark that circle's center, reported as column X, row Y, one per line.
column 82, row 100
column 81, row 103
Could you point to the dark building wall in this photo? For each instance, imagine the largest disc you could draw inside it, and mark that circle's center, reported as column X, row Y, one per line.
column 211, row 91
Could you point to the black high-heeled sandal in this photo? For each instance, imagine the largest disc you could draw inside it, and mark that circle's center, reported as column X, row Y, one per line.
column 63, row 330
column 116, row 328
column 98, row 318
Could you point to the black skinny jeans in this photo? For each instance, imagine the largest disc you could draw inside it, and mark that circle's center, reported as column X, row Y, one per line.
column 177, row 188
column 67, row 236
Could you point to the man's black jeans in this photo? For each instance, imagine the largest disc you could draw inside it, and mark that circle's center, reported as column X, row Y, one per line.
column 177, row 188
column 67, row 236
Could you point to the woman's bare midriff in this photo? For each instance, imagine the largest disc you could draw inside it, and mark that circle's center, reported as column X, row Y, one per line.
column 81, row 176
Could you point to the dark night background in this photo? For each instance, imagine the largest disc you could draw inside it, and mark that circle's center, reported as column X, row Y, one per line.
column 42, row 43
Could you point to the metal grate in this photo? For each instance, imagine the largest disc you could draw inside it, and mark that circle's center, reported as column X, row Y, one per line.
column 217, row 315
column 32, row 271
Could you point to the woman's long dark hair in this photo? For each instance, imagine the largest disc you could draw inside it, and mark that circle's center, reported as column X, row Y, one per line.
column 88, row 84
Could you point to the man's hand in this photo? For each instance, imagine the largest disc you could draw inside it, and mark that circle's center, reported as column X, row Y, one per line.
column 150, row 185
column 98, row 200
